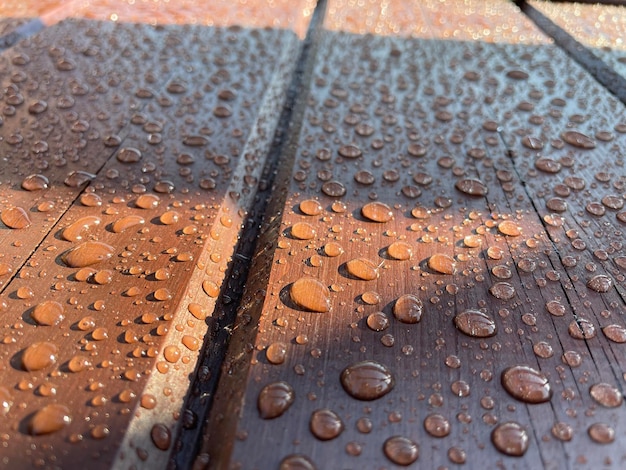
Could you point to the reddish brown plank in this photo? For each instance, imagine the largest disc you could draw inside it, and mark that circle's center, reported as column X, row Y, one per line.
column 130, row 335
column 456, row 100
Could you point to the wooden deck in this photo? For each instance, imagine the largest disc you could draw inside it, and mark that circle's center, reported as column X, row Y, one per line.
column 398, row 241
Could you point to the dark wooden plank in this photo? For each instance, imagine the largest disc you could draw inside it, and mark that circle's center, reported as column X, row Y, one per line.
column 136, row 326
column 417, row 91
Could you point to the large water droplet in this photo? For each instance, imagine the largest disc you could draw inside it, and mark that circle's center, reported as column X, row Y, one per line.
column 39, row 355
column 302, row 231
column 127, row 222
column 296, row 462
column 367, row 380
column 601, row 433
column 578, row 139
column 161, row 436
column 615, row 333
column 401, row 251
column 15, row 218
column 86, row 254
column 600, row 283
column 526, row 384
column 48, row 313
column 310, row 294
column 472, row 187
column 49, row 419
column 475, row 323
column 35, row 183
column 275, row 399
column 502, row 291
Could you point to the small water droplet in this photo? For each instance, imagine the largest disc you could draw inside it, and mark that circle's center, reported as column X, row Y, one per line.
column 562, row 431
column 325, row 424
column 472, row 187
column 578, row 139
column 502, row 291
column 401, row 450
column 510, row 439
column 127, row 222
column 74, row 231
column 437, row 425
column 408, row 308
column 601, row 433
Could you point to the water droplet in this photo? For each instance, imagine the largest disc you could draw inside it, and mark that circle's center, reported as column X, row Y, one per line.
column 377, row 321
column 325, row 424
column 562, row 431
column 601, row 433
column 543, row 350
column 350, row 151
column 547, row 165
column 408, row 308
column 600, row 283
column 401, row 450
column 86, row 254
column 276, row 353
column 39, row 355
column 73, row 232
column 311, row 207
column 15, row 218
column 517, row 74
column 615, row 333
column 401, row 251
column 296, row 462
column 510, row 439
column 35, row 183
column 362, row 268
column 510, row 228
column 302, row 231
column 581, row 329
column 148, row 201
column 472, row 187
column 475, row 323
column 48, row 313
column 333, row 189
column 161, row 436
column 6, row 400
column 377, row 212
column 606, row 395
column 76, row 179
column 90, row 200
column 578, row 139
column 367, row 380
column 333, row 249
column 127, row 222
column 49, row 419
column 526, row 384
column 502, row 291
column 442, row 263
column 457, row 455
column 128, row 155
column 275, row 399
column 437, row 425
column 310, row 294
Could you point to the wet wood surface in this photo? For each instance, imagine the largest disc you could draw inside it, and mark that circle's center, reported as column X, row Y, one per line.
column 439, row 278
column 169, row 128
column 467, row 146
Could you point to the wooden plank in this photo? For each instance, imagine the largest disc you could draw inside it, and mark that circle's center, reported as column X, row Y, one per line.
column 132, row 330
column 445, row 96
